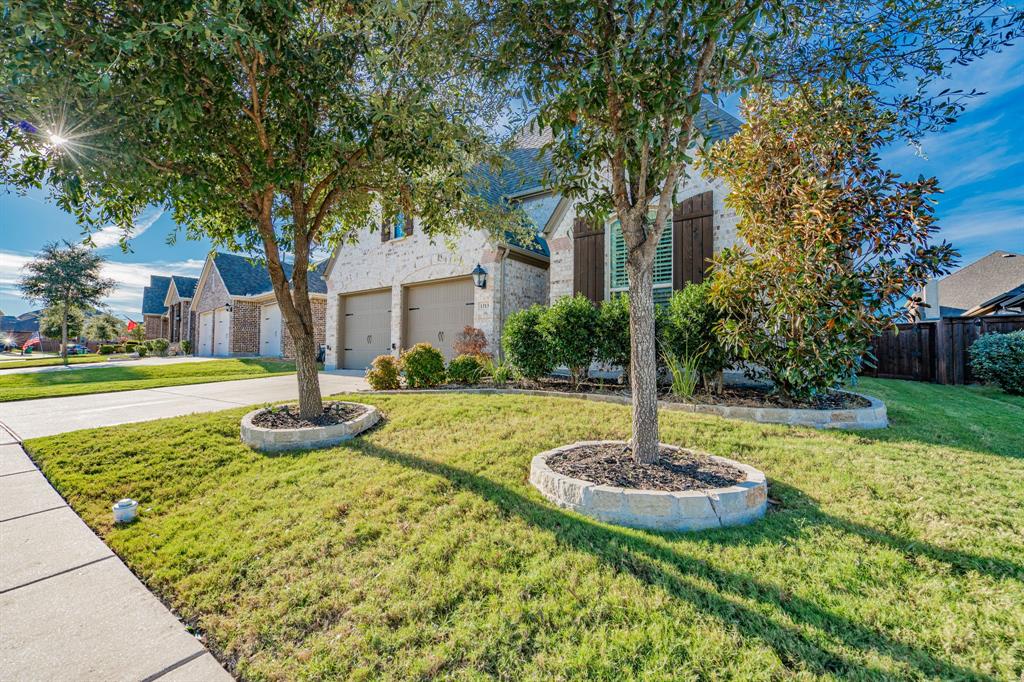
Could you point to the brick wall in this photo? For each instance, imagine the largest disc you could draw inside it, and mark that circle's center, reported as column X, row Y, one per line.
column 319, row 308
column 245, row 328
column 154, row 326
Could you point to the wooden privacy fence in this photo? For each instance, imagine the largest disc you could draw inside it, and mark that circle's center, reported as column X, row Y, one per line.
column 935, row 351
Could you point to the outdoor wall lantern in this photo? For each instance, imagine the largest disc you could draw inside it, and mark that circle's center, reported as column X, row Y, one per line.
column 479, row 277
column 227, row 307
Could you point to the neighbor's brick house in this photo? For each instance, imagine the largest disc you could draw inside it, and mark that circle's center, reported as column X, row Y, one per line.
column 396, row 287
column 235, row 312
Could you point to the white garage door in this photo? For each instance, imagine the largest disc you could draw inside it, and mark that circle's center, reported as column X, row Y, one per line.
column 365, row 328
column 221, row 332
column 270, row 330
column 437, row 313
column 206, row 333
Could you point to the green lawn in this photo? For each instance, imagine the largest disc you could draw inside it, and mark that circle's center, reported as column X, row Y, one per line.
column 48, row 362
column 419, row 550
column 104, row 379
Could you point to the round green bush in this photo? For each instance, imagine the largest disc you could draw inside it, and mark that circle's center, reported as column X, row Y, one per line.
column 570, row 327
column 999, row 359
column 688, row 330
column 423, row 366
column 613, row 332
column 142, row 349
column 383, row 373
column 526, row 348
column 106, row 349
column 466, row 369
column 160, row 346
column 186, row 346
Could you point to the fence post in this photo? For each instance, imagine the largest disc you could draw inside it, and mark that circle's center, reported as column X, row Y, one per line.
column 941, row 352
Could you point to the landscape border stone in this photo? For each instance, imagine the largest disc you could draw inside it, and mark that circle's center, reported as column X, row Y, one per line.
column 686, row 510
column 874, row 416
column 274, row 440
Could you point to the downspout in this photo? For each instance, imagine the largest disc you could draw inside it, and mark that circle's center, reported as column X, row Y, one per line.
column 501, row 304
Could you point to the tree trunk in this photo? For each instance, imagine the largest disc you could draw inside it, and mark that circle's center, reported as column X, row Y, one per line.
column 310, row 401
column 63, row 336
column 643, row 360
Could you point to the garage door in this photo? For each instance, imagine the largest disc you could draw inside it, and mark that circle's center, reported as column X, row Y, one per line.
column 365, row 328
column 270, row 330
column 206, row 333
column 221, row 331
column 437, row 313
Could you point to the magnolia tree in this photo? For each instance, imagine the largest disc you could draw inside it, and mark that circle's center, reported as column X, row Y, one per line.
column 275, row 128
column 832, row 242
column 67, row 279
column 620, row 84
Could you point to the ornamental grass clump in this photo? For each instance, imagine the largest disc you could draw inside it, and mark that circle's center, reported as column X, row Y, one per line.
column 831, row 243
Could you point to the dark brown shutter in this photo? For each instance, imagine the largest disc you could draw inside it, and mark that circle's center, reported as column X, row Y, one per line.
column 693, row 240
column 588, row 259
column 409, row 221
column 385, row 229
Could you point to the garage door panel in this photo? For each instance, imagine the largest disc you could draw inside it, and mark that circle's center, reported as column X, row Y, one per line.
column 366, row 328
column 437, row 313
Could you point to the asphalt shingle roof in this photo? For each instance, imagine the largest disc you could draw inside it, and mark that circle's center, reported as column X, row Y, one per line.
column 10, row 323
column 186, row 286
column 985, row 278
column 243, row 277
column 153, row 296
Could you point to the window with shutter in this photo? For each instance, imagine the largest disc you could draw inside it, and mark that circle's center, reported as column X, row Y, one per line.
column 619, row 281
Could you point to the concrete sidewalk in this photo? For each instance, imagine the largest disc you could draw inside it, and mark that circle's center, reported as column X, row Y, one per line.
column 69, row 608
column 49, row 416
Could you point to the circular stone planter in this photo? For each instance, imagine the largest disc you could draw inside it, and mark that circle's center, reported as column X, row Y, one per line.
column 654, row 509
column 271, row 440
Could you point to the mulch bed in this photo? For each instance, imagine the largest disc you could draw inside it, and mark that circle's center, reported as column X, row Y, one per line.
column 287, row 416
column 613, row 464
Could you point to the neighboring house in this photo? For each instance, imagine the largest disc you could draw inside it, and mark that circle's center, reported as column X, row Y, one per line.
column 396, row 288
column 154, row 308
column 20, row 328
column 990, row 285
column 236, row 313
column 177, row 309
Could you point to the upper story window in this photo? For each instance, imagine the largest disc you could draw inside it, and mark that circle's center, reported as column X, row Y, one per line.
column 396, row 227
column 618, row 281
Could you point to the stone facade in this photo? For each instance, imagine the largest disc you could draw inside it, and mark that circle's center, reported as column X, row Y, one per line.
column 369, row 265
column 560, row 237
column 319, row 308
column 245, row 327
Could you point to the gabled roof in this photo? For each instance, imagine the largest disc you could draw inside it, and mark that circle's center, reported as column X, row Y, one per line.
column 19, row 323
column 982, row 280
column 1014, row 298
column 243, row 277
column 153, row 296
column 185, row 286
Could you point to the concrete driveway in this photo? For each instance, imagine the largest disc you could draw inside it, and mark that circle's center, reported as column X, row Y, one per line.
column 69, row 608
column 49, row 416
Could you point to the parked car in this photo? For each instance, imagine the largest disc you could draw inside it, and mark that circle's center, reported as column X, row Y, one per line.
column 77, row 349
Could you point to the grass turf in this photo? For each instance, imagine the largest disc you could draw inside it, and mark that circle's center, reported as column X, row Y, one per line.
column 419, row 550
column 105, row 379
column 52, row 362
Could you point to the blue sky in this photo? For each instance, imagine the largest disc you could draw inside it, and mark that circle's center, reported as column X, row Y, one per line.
column 979, row 162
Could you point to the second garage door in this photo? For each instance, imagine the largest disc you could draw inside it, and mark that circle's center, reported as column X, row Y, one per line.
column 437, row 313
column 366, row 328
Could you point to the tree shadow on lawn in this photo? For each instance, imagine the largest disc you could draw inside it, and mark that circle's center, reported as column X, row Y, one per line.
column 646, row 557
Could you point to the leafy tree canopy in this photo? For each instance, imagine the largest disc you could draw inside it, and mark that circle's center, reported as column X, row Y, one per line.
column 104, row 327
column 53, row 317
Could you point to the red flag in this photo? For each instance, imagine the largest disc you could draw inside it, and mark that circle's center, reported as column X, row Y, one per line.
column 33, row 340
column 131, row 324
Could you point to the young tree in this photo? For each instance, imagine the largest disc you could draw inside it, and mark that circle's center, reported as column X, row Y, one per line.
column 278, row 127
column 104, row 327
column 620, row 84
column 53, row 321
column 835, row 242
column 65, row 277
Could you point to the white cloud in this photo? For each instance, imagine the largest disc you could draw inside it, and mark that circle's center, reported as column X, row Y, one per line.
column 110, row 235
column 125, row 299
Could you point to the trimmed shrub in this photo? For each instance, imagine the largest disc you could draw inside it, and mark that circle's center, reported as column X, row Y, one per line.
column 501, row 373
column 160, row 346
column 423, row 366
column 467, row 369
column 570, row 327
column 383, row 373
column 613, row 333
column 999, row 359
column 526, row 348
column 106, row 349
column 471, row 341
column 142, row 349
column 186, row 347
column 689, row 332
